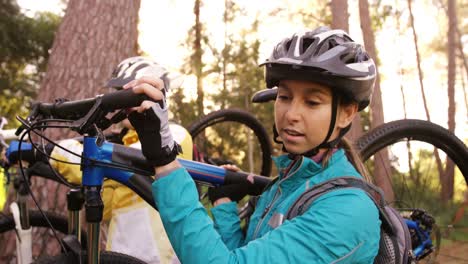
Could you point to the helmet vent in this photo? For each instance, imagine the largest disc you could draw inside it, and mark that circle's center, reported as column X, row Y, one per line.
column 362, row 56
column 332, row 43
column 348, row 58
column 288, row 44
column 306, row 43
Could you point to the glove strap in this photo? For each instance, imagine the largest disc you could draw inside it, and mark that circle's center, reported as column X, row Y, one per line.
column 167, row 155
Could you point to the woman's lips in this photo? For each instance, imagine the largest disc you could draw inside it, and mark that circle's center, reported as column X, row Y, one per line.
column 292, row 135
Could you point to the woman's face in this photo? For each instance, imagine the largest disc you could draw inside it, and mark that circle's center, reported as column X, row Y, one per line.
column 303, row 114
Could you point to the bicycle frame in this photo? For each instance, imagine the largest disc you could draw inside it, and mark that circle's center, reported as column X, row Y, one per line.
column 94, row 170
column 93, row 177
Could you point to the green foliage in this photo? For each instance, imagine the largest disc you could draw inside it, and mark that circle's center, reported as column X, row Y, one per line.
column 183, row 112
column 237, row 68
column 24, row 48
column 380, row 13
column 235, row 76
column 365, row 120
column 318, row 15
column 439, row 44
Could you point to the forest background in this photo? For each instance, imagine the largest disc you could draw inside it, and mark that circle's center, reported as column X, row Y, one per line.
column 67, row 49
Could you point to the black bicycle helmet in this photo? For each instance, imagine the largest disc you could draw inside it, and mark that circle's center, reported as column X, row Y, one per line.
column 327, row 57
column 324, row 56
column 136, row 67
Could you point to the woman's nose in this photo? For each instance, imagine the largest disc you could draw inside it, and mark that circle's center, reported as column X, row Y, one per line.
column 293, row 112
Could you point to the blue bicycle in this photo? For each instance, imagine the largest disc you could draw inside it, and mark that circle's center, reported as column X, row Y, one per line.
column 102, row 159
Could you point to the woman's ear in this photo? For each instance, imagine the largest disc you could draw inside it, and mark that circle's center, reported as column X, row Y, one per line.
column 346, row 115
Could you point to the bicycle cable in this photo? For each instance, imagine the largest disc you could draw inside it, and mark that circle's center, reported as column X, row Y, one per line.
column 114, row 165
column 28, row 188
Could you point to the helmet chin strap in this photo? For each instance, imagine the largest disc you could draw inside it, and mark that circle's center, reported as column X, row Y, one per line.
column 325, row 143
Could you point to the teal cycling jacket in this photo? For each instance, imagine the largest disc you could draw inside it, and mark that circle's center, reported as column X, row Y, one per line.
column 342, row 226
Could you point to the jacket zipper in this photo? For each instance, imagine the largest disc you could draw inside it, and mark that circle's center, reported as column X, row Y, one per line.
column 267, row 209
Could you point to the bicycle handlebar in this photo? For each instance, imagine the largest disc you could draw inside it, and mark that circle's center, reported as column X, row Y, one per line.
column 79, row 108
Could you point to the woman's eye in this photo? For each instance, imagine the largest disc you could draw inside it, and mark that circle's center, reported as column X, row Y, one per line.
column 282, row 97
column 312, row 103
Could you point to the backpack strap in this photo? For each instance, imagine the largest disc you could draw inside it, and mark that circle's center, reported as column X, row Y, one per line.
column 306, row 199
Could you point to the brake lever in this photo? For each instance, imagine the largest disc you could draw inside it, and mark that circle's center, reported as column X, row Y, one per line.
column 94, row 117
column 26, row 123
column 100, row 138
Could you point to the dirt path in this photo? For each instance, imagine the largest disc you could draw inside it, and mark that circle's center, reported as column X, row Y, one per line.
column 455, row 253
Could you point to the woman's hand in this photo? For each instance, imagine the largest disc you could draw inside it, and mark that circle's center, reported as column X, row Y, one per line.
column 152, row 87
column 231, row 167
column 150, row 121
column 232, row 192
column 212, row 191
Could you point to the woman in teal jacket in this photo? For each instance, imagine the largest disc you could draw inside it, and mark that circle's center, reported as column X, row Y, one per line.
column 324, row 78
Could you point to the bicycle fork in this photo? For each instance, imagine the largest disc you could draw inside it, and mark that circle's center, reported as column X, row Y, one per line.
column 19, row 210
column 92, row 182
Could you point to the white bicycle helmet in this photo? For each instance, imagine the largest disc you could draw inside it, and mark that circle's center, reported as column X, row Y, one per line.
column 136, row 67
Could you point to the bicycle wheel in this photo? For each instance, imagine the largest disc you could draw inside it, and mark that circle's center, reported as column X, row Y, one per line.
column 226, row 140
column 40, row 228
column 105, row 257
column 416, row 180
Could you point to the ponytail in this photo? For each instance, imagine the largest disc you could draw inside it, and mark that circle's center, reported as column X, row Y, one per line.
column 352, row 156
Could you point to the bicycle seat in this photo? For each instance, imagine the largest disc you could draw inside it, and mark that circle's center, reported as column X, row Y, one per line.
column 265, row 95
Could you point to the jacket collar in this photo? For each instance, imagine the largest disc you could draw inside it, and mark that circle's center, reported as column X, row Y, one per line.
column 304, row 169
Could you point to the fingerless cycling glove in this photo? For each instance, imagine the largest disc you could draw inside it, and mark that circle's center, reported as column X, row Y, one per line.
column 152, row 127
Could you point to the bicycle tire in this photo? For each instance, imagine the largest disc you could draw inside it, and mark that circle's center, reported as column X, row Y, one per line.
column 36, row 220
column 105, row 257
column 413, row 129
column 245, row 118
column 393, row 132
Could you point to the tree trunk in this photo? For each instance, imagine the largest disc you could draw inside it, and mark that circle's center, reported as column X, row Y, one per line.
column 447, row 189
column 340, row 20
column 197, row 57
column 92, row 38
column 405, row 111
column 462, row 78
column 421, row 83
column 382, row 170
column 340, row 15
column 418, row 59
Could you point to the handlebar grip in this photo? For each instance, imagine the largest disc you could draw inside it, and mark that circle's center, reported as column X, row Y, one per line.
column 71, row 109
column 79, row 108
